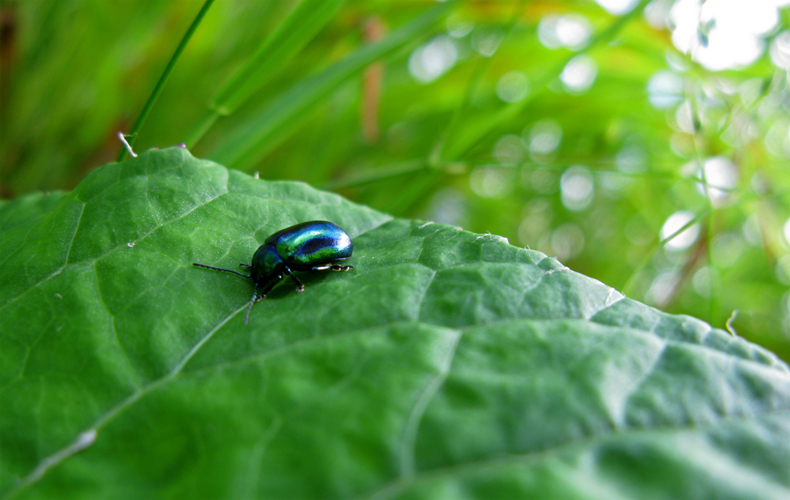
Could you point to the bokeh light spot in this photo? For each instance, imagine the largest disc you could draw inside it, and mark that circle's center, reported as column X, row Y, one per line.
column 661, row 289
column 571, row 31
column 544, row 137
column 780, row 50
column 430, row 61
column 726, row 248
column 685, row 238
column 512, row 86
column 617, row 7
column 665, row 89
column 448, row 206
column 723, row 34
column 486, row 41
column 579, row 74
column 543, row 180
column 509, row 150
column 491, row 182
column 720, row 176
column 576, row 188
column 567, row 241
column 457, row 26
column 704, row 281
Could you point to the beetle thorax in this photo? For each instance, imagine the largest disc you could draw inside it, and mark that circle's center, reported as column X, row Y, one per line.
column 266, row 264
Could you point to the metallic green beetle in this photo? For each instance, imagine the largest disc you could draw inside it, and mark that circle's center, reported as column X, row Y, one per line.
column 309, row 246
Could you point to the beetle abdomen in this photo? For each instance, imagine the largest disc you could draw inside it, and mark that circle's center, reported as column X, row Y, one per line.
column 311, row 243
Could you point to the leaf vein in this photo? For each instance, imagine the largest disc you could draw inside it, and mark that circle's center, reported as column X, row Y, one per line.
column 426, row 395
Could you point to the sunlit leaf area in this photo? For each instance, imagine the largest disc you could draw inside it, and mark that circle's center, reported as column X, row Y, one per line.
column 644, row 144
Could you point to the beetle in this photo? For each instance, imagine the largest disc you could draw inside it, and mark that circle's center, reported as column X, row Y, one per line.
column 309, row 246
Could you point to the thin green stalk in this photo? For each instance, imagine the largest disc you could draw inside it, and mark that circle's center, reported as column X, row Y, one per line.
column 713, row 302
column 132, row 135
column 377, row 175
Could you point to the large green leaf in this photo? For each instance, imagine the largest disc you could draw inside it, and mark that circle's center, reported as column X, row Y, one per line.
column 445, row 365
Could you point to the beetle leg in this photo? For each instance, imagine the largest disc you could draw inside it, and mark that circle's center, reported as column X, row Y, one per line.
column 331, row 267
column 299, row 285
column 255, row 298
column 269, row 287
column 246, row 266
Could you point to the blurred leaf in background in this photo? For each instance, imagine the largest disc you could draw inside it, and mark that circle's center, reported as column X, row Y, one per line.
column 642, row 143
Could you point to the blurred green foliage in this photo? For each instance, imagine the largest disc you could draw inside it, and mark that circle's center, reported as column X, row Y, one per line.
column 484, row 114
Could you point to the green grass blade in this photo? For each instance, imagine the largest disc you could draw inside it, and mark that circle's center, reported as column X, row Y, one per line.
column 379, row 174
column 252, row 140
column 132, row 135
column 291, row 36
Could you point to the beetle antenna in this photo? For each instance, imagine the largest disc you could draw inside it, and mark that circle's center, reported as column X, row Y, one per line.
column 249, row 307
column 221, row 269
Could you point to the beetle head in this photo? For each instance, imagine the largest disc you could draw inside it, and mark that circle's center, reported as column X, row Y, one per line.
column 266, row 266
